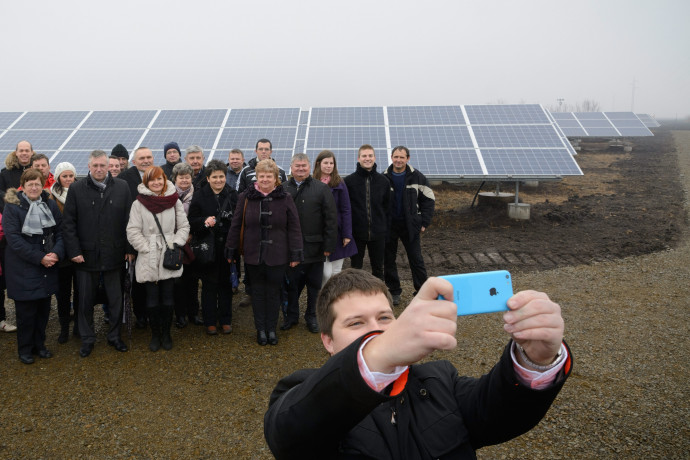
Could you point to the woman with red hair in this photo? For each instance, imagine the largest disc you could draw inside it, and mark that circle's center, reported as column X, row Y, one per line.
column 157, row 200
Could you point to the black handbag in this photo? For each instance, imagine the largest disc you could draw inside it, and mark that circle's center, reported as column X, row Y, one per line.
column 204, row 248
column 172, row 258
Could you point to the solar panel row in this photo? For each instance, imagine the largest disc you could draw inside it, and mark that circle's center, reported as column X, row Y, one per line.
column 446, row 141
column 601, row 124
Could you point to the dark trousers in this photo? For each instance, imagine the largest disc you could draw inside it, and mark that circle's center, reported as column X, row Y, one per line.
column 67, row 280
column 413, row 249
column 138, row 299
column 376, row 254
column 186, row 292
column 160, row 293
column 309, row 275
column 32, row 319
column 88, row 285
column 216, row 293
column 266, row 285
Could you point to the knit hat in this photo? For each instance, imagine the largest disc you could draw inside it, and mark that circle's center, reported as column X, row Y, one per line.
column 171, row 145
column 120, row 151
column 62, row 167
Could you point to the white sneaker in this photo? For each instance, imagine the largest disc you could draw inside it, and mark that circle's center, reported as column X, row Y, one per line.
column 7, row 327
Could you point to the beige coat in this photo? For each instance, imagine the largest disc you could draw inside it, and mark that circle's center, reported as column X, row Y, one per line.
column 144, row 236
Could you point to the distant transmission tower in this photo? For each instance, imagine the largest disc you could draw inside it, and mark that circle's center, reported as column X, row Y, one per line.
column 632, row 99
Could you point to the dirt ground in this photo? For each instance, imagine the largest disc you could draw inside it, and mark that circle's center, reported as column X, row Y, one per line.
column 611, row 247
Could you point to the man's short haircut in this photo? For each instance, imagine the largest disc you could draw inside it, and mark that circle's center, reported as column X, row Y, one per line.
column 140, row 148
column 268, row 166
column 100, row 153
column 114, row 157
column 194, row 149
column 30, row 145
column 215, row 165
column 31, row 174
column 181, row 169
column 365, row 147
column 338, row 286
column 263, row 141
column 238, row 151
column 300, row 157
column 40, row 156
column 403, row 148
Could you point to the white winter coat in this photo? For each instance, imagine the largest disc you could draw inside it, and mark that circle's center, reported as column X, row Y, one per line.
column 144, row 236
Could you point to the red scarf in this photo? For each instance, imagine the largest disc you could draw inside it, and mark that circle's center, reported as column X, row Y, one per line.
column 156, row 204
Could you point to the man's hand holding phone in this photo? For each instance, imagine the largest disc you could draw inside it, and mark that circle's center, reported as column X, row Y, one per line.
column 536, row 324
column 427, row 324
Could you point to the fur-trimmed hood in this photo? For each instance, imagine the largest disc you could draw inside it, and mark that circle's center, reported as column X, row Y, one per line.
column 12, row 162
column 12, row 196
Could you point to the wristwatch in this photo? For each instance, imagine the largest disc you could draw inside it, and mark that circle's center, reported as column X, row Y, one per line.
column 537, row 367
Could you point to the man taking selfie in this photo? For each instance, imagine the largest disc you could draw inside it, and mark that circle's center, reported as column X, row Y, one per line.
column 371, row 400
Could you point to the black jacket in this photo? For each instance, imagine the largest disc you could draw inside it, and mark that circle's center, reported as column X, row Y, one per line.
column 317, row 217
column 418, row 200
column 205, row 203
column 133, row 178
column 370, row 200
column 95, row 223
column 10, row 175
column 248, row 175
column 332, row 413
column 168, row 168
column 25, row 276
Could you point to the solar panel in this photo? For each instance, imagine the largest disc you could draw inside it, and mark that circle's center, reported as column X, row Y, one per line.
column 78, row 158
column 190, row 118
column 562, row 116
column 425, row 116
column 529, row 162
column 601, row 124
column 506, row 114
column 42, row 140
column 112, row 119
column 263, row 117
column 431, row 137
column 346, row 160
column 346, row 137
column 648, row 120
column 246, row 138
column 346, row 116
column 104, row 139
column 516, row 136
column 7, row 118
column 50, row 120
column 156, row 138
column 458, row 162
column 304, row 117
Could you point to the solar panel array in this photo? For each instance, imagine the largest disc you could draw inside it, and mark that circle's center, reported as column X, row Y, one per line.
column 471, row 141
column 601, row 124
column 648, row 121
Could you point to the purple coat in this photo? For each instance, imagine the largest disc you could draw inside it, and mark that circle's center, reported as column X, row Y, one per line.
column 342, row 205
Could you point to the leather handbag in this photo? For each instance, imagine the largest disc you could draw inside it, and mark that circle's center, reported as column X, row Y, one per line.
column 204, row 248
column 172, row 258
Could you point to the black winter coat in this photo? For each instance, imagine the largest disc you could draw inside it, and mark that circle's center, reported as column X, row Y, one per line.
column 318, row 217
column 248, row 175
column 370, row 200
column 25, row 276
column 95, row 223
column 133, row 178
column 272, row 233
column 418, row 200
column 206, row 203
column 331, row 412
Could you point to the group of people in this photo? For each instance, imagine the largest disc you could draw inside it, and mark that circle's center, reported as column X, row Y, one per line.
column 371, row 399
column 290, row 232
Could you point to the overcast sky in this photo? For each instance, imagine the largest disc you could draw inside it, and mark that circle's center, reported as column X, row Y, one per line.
column 118, row 55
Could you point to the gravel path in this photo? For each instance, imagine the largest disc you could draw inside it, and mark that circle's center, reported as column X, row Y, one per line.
column 626, row 322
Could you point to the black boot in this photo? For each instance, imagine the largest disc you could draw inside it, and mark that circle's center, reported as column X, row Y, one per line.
column 154, row 321
column 166, row 322
column 64, row 330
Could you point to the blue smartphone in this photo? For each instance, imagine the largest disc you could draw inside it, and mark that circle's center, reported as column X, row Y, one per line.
column 483, row 292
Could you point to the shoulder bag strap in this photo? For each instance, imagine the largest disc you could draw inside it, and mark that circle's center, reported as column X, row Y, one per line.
column 160, row 229
column 244, row 213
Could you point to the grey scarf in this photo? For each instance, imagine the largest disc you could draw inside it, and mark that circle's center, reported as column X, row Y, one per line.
column 38, row 217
